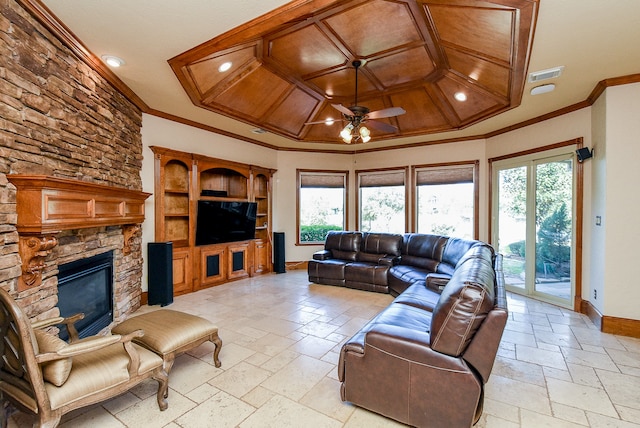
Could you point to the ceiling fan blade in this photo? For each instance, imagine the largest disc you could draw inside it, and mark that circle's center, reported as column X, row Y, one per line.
column 342, row 109
column 387, row 112
column 324, row 122
column 381, row 126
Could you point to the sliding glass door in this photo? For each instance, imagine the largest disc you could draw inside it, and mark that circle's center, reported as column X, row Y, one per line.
column 534, row 227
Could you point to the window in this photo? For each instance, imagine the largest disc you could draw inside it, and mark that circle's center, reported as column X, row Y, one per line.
column 322, row 202
column 381, row 199
column 446, row 200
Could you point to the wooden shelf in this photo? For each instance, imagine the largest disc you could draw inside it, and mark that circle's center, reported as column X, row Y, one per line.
column 180, row 179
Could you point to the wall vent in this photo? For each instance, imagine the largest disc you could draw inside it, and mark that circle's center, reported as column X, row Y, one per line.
column 550, row 73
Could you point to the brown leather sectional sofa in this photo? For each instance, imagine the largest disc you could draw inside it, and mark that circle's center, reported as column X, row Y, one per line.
column 425, row 358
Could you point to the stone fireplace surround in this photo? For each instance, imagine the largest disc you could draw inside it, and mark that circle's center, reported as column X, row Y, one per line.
column 64, row 115
column 63, row 220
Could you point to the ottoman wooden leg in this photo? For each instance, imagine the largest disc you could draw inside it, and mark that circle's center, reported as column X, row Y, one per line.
column 218, row 342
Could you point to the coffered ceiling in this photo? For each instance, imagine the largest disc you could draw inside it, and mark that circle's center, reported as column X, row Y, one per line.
column 292, row 60
column 288, row 68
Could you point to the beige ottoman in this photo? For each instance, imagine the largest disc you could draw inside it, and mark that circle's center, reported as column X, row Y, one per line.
column 169, row 333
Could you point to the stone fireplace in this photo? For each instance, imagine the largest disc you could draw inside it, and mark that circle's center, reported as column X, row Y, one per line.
column 62, row 223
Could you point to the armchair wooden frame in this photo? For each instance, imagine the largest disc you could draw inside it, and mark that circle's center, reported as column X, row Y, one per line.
column 21, row 376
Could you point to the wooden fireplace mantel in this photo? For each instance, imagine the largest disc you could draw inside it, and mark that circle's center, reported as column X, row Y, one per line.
column 48, row 205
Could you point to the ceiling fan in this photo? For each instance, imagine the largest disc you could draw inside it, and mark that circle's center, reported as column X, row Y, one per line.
column 357, row 115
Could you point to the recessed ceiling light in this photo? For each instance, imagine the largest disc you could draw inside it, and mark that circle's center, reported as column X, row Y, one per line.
column 113, row 61
column 460, row 96
column 543, row 89
column 329, row 121
column 259, row 131
column 225, row 66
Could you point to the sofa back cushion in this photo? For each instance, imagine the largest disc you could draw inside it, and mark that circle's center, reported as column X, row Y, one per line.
column 376, row 245
column 423, row 251
column 463, row 305
column 453, row 252
column 343, row 245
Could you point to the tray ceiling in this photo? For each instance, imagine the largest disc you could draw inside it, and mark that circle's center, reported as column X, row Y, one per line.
column 290, row 65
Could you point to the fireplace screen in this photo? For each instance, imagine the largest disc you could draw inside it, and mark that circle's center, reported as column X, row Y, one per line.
column 86, row 286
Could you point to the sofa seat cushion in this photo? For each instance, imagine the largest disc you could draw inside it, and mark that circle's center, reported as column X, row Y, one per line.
column 369, row 273
column 401, row 315
column 329, row 269
column 419, row 296
column 408, row 274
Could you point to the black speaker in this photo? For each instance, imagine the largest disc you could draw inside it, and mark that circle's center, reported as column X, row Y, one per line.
column 160, row 273
column 584, row 153
column 278, row 252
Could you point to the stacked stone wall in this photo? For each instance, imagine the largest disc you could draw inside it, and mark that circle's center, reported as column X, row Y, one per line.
column 59, row 117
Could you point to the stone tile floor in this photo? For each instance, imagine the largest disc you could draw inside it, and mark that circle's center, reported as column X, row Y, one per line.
column 282, row 337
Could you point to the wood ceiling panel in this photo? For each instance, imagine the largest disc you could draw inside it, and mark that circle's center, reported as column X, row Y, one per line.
column 340, row 84
column 290, row 115
column 485, row 32
column 404, row 67
column 422, row 113
column 306, row 51
column 477, row 103
column 255, row 94
column 492, row 76
column 360, row 27
column 205, row 72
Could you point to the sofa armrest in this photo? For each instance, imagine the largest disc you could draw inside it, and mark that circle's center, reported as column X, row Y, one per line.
column 322, row 255
column 411, row 345
column 437, row 281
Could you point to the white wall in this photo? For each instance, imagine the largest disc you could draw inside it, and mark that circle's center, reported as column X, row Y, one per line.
column 622, row 204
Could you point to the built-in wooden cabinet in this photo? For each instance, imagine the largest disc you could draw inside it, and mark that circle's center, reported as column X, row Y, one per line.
column 181, row 180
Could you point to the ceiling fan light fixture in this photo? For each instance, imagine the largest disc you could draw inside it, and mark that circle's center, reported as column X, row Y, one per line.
column 345, row 134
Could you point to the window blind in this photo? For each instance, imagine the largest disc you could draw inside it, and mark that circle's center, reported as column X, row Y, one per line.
column 382, row 179
column 449, row 175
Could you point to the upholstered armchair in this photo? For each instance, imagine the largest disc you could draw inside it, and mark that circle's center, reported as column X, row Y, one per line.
column 47, row 377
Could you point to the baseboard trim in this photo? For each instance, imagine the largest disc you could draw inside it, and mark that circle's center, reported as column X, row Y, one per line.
column 296, row 265
column 144, row 298
column 609, row 324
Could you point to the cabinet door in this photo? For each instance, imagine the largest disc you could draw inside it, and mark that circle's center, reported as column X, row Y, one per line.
column 213, row 265
column 182, row 271
column 261, row 256
column 237, row 260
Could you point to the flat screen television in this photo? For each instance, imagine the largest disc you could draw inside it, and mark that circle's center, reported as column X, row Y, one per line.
column 222, row 221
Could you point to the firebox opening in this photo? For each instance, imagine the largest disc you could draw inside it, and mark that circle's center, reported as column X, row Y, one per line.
column 86, row 286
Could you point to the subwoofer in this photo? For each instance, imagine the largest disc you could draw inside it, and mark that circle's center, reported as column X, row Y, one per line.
column 278, row 252
column 160, row 273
